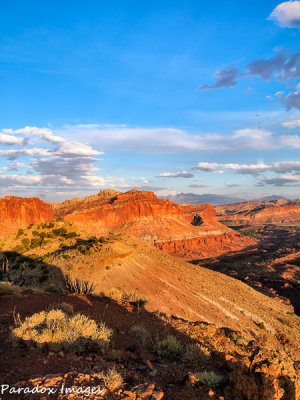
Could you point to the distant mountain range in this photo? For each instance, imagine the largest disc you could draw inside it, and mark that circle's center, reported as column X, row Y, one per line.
column 214, row 199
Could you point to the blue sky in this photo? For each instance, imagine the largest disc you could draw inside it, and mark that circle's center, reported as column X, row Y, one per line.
column 172, row 96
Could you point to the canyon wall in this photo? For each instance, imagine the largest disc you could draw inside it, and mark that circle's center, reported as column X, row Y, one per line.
column 19, row 212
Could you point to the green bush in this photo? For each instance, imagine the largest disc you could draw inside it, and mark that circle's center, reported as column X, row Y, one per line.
column 25, row 242
column 210, row 379
column 20, row 232
column 169, row 348
column 71, row 235
column 59, row 231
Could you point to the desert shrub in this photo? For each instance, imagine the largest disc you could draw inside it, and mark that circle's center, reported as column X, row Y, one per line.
column 114, row 294
column 125, row 297
column 52, row 289
column 20, row 232
column 19, row 249
column 135, row 299
column 196, row 353
column 210, row 378
column 7, row 289
column 88, row 252
column 67, row 308
column 102, row 239
column 169, row 348
column 59, row 231
column 46, row 260
column 30, row 226
column 261, row 325
column 93, row 239
column 111, row 378
column 50, row 235
column 43, row 278
column 50, row 225
column 71, row 235
column 59, row 331
column 35, row 242
column 67, row 257
column 78, row 286
column 139, row 332
column 25, row 242
column 35, row 233
column 107, row 268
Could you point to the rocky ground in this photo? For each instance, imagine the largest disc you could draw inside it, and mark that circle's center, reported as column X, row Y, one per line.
column 247, row 369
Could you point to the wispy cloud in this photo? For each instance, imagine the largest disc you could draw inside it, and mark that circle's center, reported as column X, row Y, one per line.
column 182, row 174
column 284, row 66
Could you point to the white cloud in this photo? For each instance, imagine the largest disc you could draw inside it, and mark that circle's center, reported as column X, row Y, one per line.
column 293, row 123
column 182, row 174
column 10, row 140
column 252, row 133
column 282, row 180
column 251, row 169
column 287, row 14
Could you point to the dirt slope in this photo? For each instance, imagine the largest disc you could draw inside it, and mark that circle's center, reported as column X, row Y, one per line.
column 172, row 286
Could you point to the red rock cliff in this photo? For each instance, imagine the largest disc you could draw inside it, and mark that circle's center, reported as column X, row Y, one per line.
column 279, row 211
column 18, row 212
column 170, row 226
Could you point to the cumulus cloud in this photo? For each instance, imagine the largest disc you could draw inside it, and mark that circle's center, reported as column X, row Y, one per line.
column 61, row 164
column 287, row 14
column 182, row 174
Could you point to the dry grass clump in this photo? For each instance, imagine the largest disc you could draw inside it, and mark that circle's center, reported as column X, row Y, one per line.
column 210, row 378
column 125, row 297
column 59, row 331
column 7, row 289
column 111, row 378
column 67, row 308
column 169, row 348
column 196, row 353
column 139, row 332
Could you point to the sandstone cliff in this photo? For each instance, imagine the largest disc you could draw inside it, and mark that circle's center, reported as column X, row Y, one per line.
column 19, row 212
column 181, row 230
column 254, row 212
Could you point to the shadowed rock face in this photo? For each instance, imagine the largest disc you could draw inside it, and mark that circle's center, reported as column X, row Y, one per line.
column 169, row 225
column 255, row 212
column 18, row 212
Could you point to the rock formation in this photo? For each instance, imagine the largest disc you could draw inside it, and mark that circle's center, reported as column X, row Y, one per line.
column 19, row 212
column 170, row 226
column 255, row 212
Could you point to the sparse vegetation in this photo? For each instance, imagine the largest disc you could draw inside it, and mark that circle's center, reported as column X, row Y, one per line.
column 59, row 331
column 67, row 308
column 169, row 348
column 7, row 289
column 111, row 378
column 210, row 379
column 261, row 325
column 196, row 353
column 78, row 286
column 125, row 297
column 139, row 332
